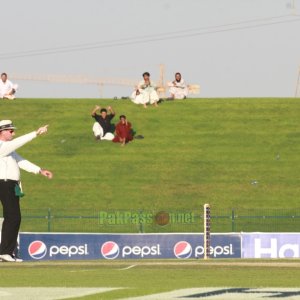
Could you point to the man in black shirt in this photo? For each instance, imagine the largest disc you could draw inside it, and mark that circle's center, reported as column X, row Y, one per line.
column 102, row 128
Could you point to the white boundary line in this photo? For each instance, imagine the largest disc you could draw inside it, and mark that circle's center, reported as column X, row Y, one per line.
column 130, row 267
column 288, row 263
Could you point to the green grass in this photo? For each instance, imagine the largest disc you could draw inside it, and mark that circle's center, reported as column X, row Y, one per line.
column 151, row 277
column 195, row 151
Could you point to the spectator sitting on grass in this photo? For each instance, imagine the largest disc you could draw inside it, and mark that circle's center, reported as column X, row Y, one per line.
column 178, row 88
column 7, row 88
column 145, row 92
column 123, row 133
column 102, row 128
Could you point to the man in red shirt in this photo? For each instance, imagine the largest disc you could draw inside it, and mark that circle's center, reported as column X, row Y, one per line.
column 123, row 133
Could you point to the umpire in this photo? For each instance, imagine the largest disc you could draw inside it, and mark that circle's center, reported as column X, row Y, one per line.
column 10, row 190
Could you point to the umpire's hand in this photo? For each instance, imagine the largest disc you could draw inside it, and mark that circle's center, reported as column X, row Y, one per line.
column 42, row 130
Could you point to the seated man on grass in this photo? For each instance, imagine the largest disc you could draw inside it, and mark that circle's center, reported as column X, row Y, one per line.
column 123, row 133
column 102, row 128
column 145, row 92
column 178, row 88
column 7, row 88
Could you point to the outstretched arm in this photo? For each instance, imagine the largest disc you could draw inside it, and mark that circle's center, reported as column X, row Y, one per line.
column 109, row 108
column 30, row 167
column 10, row 146
column 97, row 107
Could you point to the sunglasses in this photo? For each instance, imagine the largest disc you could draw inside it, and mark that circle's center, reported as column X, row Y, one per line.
column 10, row 130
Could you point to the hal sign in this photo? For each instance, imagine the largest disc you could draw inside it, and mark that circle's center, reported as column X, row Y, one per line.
column 271, row 245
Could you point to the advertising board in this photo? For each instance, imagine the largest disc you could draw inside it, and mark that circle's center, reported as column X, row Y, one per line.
column 270, row 245
column 57, row 246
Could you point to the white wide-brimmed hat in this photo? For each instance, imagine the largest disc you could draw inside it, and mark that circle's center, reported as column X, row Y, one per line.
column 6, row 124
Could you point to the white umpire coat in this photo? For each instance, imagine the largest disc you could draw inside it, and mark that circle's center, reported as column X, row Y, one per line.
column 11, row 162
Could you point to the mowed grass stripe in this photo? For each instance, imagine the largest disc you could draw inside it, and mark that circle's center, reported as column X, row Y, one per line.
column 124, row 264
column 151, row 277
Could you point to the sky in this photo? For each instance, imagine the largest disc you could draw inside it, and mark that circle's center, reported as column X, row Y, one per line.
column 231, row 48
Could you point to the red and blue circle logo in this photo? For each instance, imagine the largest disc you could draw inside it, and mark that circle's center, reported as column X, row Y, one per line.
column 110, row 250
column 183, row 250
column 37, row 250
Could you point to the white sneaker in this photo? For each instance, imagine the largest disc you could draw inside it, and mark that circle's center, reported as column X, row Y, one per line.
column 9, row 258
column 17, row 259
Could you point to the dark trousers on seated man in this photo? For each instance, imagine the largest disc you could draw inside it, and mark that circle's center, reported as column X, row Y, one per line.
column 11, row 214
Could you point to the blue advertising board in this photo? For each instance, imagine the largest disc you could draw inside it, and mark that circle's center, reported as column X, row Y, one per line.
column 271, row 245
column 58, row 246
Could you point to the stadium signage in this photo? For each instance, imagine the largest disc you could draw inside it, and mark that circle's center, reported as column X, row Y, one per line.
column 56, row 246
column 271, row 245
column 215, row 251
column 38, row 250
column 135, row 217
column 141, row 252
column 69, row 250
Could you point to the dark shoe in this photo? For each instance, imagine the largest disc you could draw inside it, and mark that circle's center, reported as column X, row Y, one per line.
column 97, row 138
column 139, row 137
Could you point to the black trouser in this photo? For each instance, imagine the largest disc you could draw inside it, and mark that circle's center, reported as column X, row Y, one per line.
column 12, row 216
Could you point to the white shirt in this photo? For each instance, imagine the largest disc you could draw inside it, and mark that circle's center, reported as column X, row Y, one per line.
column 181, row 84
column 148, row 88
column 5, row 87
column 11, row 162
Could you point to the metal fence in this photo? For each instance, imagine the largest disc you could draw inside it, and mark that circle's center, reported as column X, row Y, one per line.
column 150, row 221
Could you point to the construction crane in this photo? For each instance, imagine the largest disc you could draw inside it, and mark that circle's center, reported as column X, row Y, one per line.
column 101, row 82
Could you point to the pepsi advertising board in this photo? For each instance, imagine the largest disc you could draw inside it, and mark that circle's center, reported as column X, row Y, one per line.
column 57, row 246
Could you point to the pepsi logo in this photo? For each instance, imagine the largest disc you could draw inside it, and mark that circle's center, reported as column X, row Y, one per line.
column 110, row 250
column 183, row 250
column 37, row 250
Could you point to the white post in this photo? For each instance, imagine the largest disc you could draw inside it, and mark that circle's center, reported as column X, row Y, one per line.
column 206, row 236
column 1, row 221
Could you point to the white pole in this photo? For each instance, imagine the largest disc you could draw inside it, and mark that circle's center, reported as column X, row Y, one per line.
column 206, row 237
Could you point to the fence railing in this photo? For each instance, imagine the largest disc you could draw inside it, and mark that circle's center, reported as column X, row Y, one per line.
column 153, row 221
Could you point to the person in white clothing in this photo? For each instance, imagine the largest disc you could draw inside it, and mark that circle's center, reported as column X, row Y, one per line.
column 10, row 190
column 178, row 88
column 7, row 88
column 145, row 92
